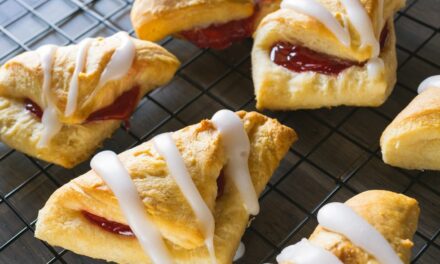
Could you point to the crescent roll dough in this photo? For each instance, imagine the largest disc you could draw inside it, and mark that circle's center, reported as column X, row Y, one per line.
column 367, row 83
column 394, row 215
column 412, row 140
column 155, row 19
column 62, row 223
column 22, row 79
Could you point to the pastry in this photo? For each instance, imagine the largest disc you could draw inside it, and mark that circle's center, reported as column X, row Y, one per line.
column 324, row 53
column 206, row 23
column 59, row 103
column 373, row 227
column 412, row 140
column 193, row 192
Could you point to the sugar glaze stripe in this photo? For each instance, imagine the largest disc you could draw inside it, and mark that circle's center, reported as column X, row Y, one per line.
column 108, row 166
column 165, row 146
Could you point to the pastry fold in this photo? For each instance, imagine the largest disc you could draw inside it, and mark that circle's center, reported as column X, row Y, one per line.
column 62, row 223
column 22, row 78
column 412, row 140
column 155, row 19
column 362, row 84
column 394, row 215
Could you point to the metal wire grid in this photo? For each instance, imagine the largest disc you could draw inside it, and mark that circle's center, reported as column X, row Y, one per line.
column 196, row 93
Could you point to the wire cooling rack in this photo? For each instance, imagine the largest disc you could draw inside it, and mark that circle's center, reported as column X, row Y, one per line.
column 336, row 157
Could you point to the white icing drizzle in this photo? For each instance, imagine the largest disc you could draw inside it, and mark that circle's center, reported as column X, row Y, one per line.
column 165, row 146
column 431, row 82
column 72, row 95
column 108, row 166
column 316, row 10
column 240, row 252
column 375, row 67
column 363, row 25
column 305, row 252
column 356, row 14
column 341, row 219
column 237, row 148
column 50, row 120
column 121, row 60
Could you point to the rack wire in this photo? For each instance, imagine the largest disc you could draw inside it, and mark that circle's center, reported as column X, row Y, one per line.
column 337, row 156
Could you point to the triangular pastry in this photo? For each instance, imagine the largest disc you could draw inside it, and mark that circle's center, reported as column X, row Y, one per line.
column 374, row 227
column 206, row 23
column 59, row 103
column 324, row 53
column 412, row 140
column 201, row 177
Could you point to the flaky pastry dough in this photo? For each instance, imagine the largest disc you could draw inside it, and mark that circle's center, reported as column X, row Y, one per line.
column 61, row 222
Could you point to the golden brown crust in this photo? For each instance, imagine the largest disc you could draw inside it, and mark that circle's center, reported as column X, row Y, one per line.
column 201, row 148
column 22, row 76
column 412, row 140
column 394, row 215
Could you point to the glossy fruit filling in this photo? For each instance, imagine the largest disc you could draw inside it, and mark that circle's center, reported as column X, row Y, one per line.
column 220, row 184
column 125, row 230
column 33, row 108
column 110, row 226
column 298, row 58
column 221, row 36
column 121, row 109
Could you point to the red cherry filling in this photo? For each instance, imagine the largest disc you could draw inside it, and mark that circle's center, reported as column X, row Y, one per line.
column 121, row 109
column 221, row 36
column 220, row 185
column 33, row 108
column 298, row 58
column 107, row 225
column 301, row 59
column 383, row 37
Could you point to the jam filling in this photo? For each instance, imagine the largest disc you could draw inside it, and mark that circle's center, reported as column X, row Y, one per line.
column 33, row 108
column 110, row 226
column 220, row 185
column 221, row 36
column 121, row 109
column 125, row 230
column 298, row 58
column 301, row 59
